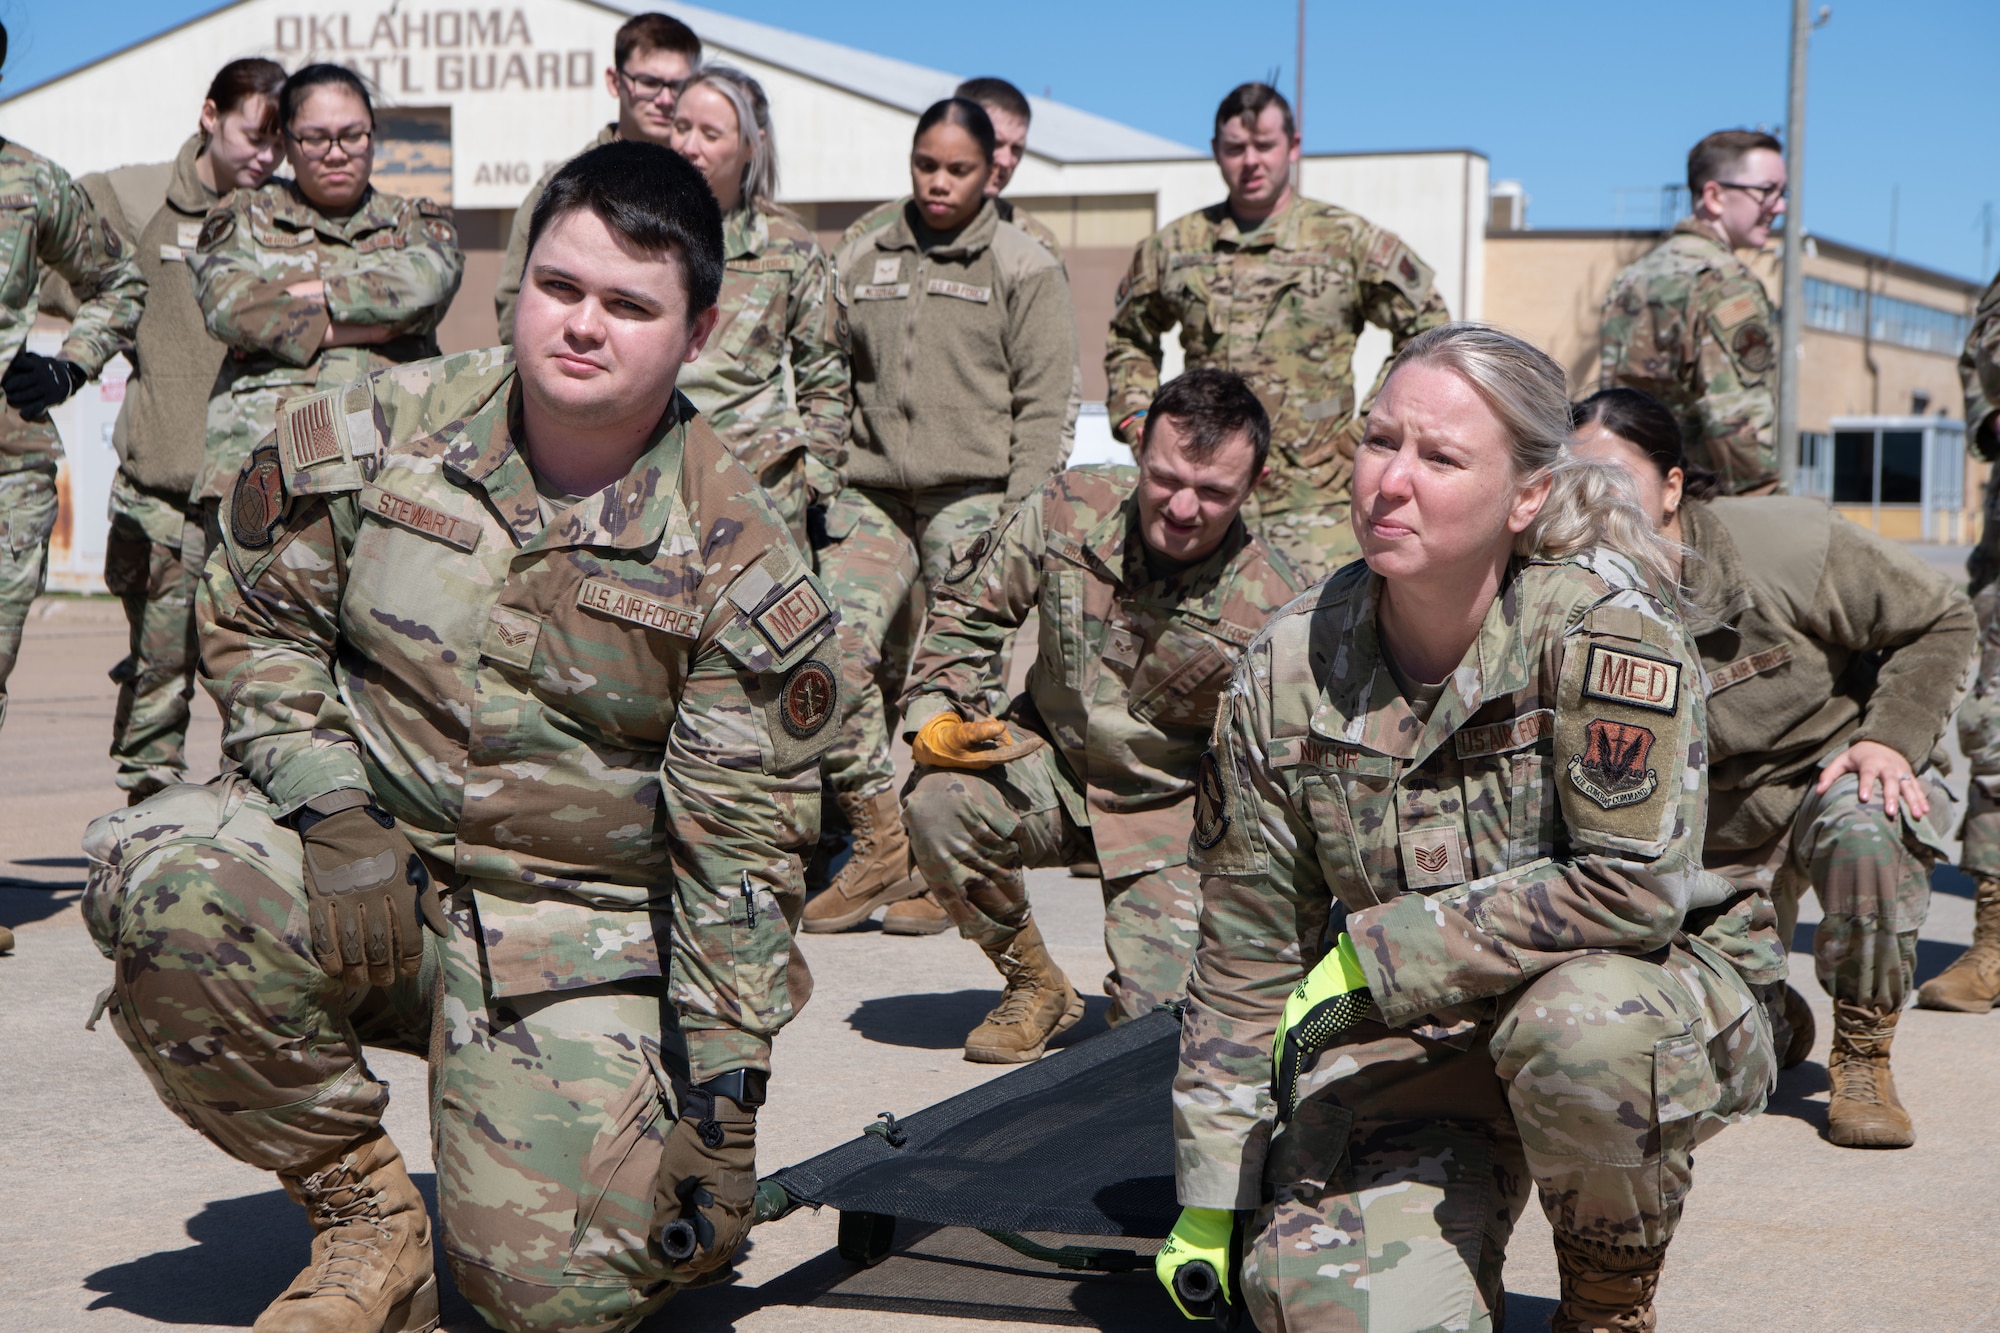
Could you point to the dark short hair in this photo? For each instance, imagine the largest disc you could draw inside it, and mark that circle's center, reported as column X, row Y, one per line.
column 654, row 32
column 1718, row 154
column 240, row 80
column 652, row 197
column 998, row 94
column 308, row 77
column 968, row 115
column 1246, row 102
column 1644, row 422
column 3, row 44
column 1212, row 407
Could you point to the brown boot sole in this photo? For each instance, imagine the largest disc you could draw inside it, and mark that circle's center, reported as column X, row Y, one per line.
column 855, row 915
column 915, row 925
column 415, row 1313
column 1001, row 1055
column 1875, row 1135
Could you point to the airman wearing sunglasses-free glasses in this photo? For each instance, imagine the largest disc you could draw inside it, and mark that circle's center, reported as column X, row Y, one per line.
column 1693, row 326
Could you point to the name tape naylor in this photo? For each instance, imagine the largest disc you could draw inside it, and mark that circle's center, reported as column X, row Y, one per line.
column 637, row 608
column 421, row 518
column 1627, row 678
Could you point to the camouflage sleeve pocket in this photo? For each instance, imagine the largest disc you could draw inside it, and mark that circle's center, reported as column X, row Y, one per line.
column 1228, row 836
column 1621, row 743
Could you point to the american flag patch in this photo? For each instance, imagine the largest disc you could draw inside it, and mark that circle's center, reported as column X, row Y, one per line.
column 313, row 437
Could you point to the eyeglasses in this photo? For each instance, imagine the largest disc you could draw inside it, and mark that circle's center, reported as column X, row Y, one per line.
column 649, row 88
column 1765, row 193
column 316, row 145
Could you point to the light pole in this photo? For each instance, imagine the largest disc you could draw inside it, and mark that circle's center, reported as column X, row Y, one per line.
column 1792, row 314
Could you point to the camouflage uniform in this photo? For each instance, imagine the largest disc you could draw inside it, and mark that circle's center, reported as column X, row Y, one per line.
column 781, row 321
column 391, row 261
column 1560, row 990
column 1979, row 717
column 1282, row 305
column 963, row 355
column 158, row 210
column 1815, row 634
column 1124, row 691
column 597, row 723
column 1691, row 325
column 48, row 222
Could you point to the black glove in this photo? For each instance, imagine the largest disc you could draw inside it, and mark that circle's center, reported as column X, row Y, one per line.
column 365, row 886
column 706, row 1199
column 36, row 383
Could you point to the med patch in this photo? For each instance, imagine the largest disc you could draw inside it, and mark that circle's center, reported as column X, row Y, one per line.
column 1619, row 677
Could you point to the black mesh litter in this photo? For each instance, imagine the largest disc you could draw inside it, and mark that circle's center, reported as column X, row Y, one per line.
column 1080, row 1142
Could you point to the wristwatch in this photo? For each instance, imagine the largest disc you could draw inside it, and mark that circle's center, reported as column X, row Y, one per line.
column 745, row 1087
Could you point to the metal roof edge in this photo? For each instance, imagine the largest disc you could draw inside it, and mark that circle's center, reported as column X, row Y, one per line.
column 126, row 49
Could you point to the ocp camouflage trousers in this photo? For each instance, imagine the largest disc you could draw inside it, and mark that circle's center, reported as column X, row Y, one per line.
column 27, row 517
column 145, row 568
column 1392, row 1193
column 973, row 834
column 1979, row 735
column 1316, row 541
column 547, row 1110
column 1873, row 879
column 888, row 548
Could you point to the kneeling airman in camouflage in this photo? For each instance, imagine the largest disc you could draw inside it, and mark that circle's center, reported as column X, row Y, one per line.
column 1834, row 659
column 1456, row 939
column 1149, row 585
column 511, row 646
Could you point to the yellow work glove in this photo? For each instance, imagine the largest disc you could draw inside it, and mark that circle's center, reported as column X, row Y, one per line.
column 1194, row 1263
column 1333, row 998
column 949, row 741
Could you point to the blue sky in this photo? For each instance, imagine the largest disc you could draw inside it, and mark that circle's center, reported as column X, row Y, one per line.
column 1577, row 100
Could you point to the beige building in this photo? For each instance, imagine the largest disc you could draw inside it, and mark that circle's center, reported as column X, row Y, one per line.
column 1880, row 359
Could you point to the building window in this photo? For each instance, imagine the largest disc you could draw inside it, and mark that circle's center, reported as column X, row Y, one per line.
column 1878, row 463
column 1839, row 308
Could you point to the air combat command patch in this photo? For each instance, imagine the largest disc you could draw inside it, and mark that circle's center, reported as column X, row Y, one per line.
column 1613, row 768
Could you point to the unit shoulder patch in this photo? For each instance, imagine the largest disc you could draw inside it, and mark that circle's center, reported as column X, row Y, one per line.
column 1613, row 769
column 1751, row 345
column 968, row 558
column 216, row 229
column 257, row 505
column 809, row 698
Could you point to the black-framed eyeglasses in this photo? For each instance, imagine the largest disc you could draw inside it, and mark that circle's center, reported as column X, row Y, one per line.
column 1765, row 193
column 317, row 145
column 649, row 88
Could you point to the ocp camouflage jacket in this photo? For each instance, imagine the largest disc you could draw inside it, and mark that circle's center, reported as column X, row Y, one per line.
column 588, row 723
column 392, row 261
column 1691, row 325
column 1551, row 806
column 1129, row 668
column 47, row 221
column 1815, row 633
column 1283, row 306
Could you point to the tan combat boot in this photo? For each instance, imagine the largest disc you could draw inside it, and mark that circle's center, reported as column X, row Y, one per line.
column 6, row 940
column 876, row 874
column 1865, row 1112
column 1605, row 1288
column 1971, row 985
column 371, row 1252
column 1038, row 1003
column 920, row 915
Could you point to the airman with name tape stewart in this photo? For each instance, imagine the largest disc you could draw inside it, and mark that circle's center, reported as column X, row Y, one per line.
column 1972, row 983
column 1277, row 288
column 1834, row 658
column 1456, row 940
column 525, row 684
column 158, row 209
column 47, row 223
column 963, row 348
column 1148, row 586
column 315, row 281
column 1691, row 325
column 773, row 381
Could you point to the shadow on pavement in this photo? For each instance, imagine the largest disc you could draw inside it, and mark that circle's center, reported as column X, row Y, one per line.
column 939, row 1020
column 1527, row 1314
column 1950, row 879
column 246, row 1250
column 1801, row 1095
column 24, row 900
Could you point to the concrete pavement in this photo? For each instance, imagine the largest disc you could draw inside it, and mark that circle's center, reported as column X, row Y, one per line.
column 116, row 1218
